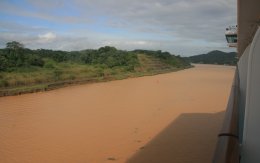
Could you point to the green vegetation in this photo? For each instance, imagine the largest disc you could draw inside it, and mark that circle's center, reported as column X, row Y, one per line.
column 24, row 70
column 215, row 57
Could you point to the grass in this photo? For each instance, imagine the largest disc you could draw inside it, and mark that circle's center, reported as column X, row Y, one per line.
column 56, row 75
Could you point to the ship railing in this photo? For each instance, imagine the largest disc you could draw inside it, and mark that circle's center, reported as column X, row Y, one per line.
column 227, row 149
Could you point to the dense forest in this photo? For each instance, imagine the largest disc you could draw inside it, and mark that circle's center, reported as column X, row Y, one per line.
column 215, row 57
column 26, row 70
column 16, row 56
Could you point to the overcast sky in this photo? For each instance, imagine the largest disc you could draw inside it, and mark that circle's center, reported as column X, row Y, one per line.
column 182, row 27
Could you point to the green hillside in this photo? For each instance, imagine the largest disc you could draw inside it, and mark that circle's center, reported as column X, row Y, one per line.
column 215, row 57
column 24, row 70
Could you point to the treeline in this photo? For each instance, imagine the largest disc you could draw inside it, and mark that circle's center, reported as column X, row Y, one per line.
column 215, row 57
column 16, row 56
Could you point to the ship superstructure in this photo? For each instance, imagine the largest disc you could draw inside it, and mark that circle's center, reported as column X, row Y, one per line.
column 239, row 139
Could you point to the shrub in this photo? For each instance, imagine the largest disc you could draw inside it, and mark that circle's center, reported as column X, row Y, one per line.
column 3, row 83
column 57, row 74
column 3, row 63
column 36, row 61
column 49, row 64
column 100, row 72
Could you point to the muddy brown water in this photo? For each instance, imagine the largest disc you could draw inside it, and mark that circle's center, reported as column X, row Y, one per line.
column 172, row 117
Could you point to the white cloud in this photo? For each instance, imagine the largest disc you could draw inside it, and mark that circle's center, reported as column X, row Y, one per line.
column 47, row 37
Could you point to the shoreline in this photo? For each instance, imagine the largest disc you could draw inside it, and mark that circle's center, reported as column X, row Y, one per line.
column 14, row 91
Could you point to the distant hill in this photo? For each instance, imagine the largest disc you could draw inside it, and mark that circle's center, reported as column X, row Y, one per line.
column 215, row 57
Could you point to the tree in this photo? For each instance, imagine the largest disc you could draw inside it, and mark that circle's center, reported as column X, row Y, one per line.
column 106, row 49
column 34, row 60
column 15, row 52
column 14, row 45
column 3, row 63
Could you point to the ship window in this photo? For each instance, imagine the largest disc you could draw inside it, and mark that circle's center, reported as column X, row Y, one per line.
column 231, row 38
